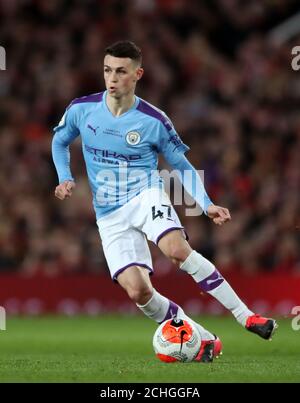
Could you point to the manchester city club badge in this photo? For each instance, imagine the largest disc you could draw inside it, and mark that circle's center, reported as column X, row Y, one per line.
column 133, row 138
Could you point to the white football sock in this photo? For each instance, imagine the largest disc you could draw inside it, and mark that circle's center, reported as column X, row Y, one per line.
column 211, row 281
column 161, row 308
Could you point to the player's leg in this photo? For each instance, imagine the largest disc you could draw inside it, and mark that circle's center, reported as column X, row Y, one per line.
column 129, row 260
column 136, row 282
column 175, row 247
column 164, row 228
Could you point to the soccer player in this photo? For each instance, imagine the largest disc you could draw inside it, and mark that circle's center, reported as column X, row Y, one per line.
column 122, row 136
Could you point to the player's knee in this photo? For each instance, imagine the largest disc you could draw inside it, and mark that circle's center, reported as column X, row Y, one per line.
column 175, row 247
column 139, row 294
column 178, row 253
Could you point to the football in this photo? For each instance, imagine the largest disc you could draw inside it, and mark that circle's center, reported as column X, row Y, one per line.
column 176, row 340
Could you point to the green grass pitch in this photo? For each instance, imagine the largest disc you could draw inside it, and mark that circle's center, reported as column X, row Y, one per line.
column 119, row 349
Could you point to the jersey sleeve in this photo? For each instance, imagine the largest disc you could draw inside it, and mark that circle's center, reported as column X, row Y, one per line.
column 64, row 133
column 192, row 182
column 67, row 128
column 169, row 142
column 173, row 149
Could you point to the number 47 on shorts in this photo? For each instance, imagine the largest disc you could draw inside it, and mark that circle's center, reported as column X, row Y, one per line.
column 160, row 214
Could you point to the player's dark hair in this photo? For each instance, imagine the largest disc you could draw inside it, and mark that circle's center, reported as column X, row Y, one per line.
column 125, row 49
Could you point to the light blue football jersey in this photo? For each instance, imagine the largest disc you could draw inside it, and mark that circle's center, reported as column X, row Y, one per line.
column 121, row 153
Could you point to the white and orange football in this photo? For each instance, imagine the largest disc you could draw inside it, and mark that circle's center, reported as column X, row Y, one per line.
column 176, row 340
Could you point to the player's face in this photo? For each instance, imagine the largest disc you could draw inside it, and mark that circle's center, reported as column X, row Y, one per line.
column 121, row 75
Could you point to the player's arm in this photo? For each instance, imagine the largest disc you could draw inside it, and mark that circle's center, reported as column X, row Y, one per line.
column 64, row 134
column 193, row 184
column 173, row 149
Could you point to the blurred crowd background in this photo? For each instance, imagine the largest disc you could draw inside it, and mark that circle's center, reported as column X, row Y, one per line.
column 211, row 66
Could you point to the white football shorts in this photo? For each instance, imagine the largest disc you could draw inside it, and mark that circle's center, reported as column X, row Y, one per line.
column 125, row 231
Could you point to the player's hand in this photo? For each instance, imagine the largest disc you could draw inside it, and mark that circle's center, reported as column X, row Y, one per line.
column 218, row 214
column 64, row 190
